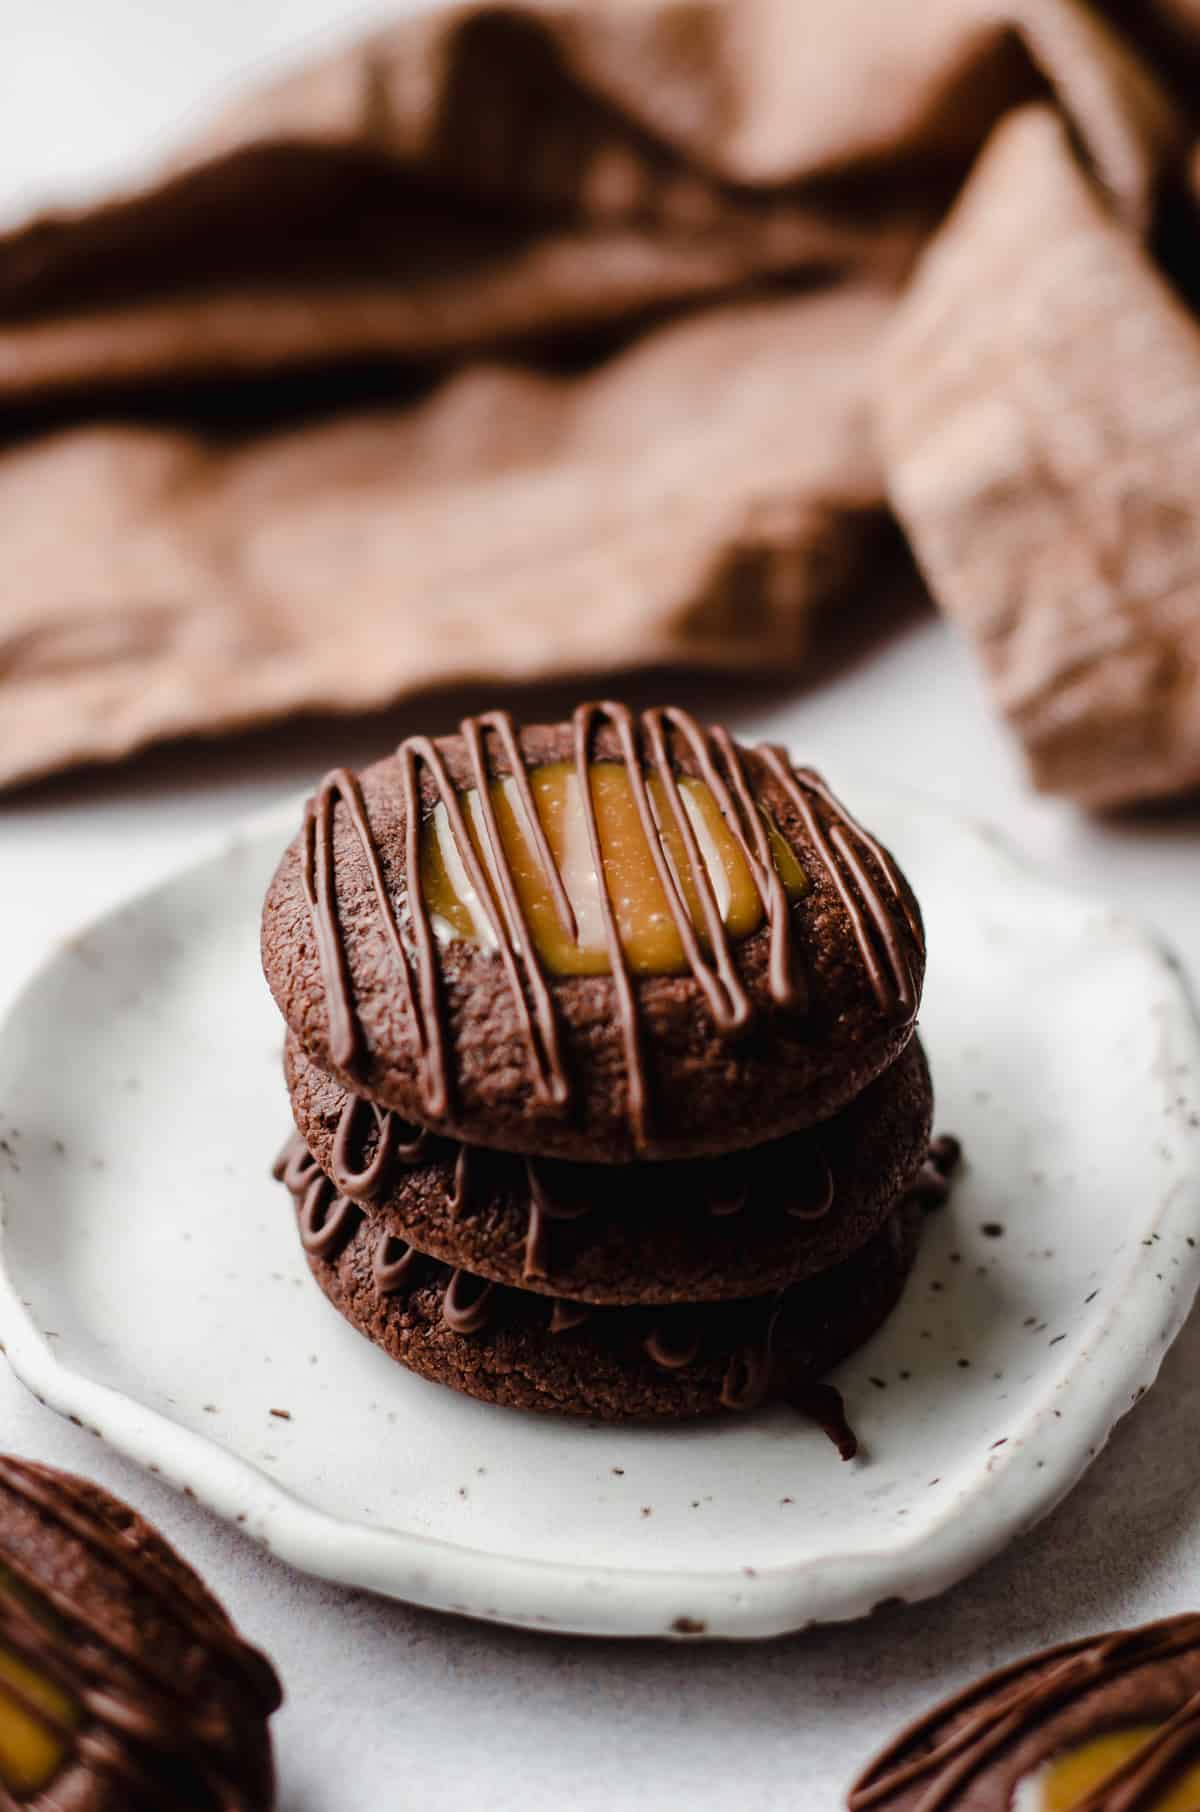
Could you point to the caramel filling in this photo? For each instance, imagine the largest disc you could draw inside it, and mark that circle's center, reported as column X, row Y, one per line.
column 31, row 1749
column 648, row 933
column 1062, row 1783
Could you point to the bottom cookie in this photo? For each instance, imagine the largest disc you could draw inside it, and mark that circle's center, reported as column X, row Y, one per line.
column 528, row 1351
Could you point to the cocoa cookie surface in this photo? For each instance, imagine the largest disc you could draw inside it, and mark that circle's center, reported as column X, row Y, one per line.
column 610, row 938
column 124, row 1687
column 528, row 1351
column 690, row 1231
column 1108, row 1723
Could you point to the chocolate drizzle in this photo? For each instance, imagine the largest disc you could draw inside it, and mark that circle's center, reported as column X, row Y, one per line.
column 726, row 1185
column 748, row 1375
column 327, row 1217
column 467, row 1303
column 328, row 1220
column 136, row 1719
column 646, row 748
column 822, row 1404
column 361, row 1180
column 461, row 1193
column 949, row 1748
column 816, row 1206
column 565, row 1315
column 675, row 1346
column 394, row 1265
column 544, row 1206
column 727, row 1196
column 866, row 906
column 748, row 1379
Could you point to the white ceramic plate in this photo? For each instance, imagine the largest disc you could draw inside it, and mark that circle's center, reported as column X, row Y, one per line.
column 151, row 1283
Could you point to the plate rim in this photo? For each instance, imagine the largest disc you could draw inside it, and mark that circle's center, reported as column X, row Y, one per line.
column 570, row 1597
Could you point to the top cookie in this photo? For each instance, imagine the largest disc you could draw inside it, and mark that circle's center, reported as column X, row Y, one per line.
column 1105, row 1724
column 611, row 938
column 123, row 1685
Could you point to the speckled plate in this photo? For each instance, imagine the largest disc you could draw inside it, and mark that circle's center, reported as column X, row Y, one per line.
column 151, row 1284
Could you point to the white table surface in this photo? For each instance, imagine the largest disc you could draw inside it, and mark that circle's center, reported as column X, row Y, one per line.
column 389, row 1707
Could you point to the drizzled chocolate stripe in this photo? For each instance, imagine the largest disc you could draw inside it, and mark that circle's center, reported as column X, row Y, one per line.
column 539, row 1028
column 748, row 1375
column 957, row 1740
column 721, row 766
column 327, row 1219
column 116, row 1729
column 542, row 1031
column 745, row 822
column 468, row 1302
column 821, row 1201
column 674, row 1347
column 295, row 1166
column 637, row 1096
column 726, row 1186
column 544, row 1207
column 394, row 1265
column 364, row 1180
column 22, row 1636
column 42, row 1489
column 462, row 1182
column 719, row 981
column 565, row 1315
column 320, row 891
column 866, row 906
column 1138, row 1784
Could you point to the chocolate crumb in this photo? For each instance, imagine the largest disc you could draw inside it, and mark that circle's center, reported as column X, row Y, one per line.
column 945, row 1153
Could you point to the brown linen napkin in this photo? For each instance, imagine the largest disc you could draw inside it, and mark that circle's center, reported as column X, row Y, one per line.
column 524, row 341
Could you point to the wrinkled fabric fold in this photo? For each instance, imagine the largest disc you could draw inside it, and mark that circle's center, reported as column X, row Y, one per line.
column 516, row 342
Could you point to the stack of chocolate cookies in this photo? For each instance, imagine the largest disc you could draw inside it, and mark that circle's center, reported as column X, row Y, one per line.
column 600, row 1053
